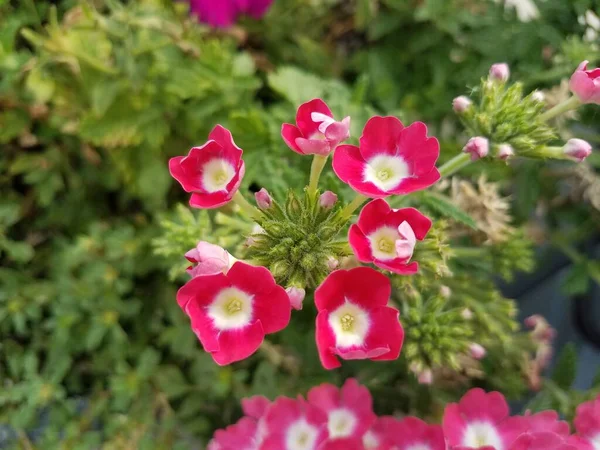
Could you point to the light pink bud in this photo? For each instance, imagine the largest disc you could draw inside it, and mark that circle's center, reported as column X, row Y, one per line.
column 477, row 351
column 585, row 84
column 445, row 291
column 425, row 377
column 208, row 259
column 478, row 147
column 327, row 200
column 577, row 149
column 505, row 151
column 461, row 104
column 466, row 314
column 534, row 321
column 500, row 72
column 263, row 199
column 296, row 296
column 538, row 96
column 332, row 263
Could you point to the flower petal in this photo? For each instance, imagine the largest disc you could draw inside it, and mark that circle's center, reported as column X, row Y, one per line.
column 325, row 342
column 308, row 127
column 385, row 331
column 380, row 136
column 360, row 244
column 290, row 133
column 238, row 344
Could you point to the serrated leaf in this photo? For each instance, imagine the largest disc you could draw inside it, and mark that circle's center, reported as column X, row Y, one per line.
column 296, row 85
column 566, row 367
column 442, row 205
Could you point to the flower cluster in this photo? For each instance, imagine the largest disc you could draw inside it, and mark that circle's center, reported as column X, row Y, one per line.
column 331, row 418
column 224, row 13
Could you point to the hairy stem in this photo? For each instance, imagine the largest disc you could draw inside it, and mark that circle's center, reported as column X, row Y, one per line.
column 318, row 163
column 245, row 205
column 455, row 164
column 561, row 108
column 353, row 206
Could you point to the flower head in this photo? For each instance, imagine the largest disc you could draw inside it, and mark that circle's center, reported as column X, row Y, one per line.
column 547, row 440
column 585, row 84
column 240, row 436
column 208, row 259
column 587, row 422
column 349, row 409
column 212, row 172
column 412, row 433
column 231, row 313
column 354, row 321
column 577, row 149
column 224, row 13
column 392, row 159
column 316, row 131
column 387, row 237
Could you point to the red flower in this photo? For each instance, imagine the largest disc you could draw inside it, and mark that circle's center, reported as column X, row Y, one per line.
column 391, row 159
column 354, row 321
column 349, row 409
column 587, row 421
column 585, row 84
column 224, row 13
column 212, row 172
column 386, row 237
column 240, row 436
column 316, row 131
column 546, row 440
column 412, row 433
column 231, row 313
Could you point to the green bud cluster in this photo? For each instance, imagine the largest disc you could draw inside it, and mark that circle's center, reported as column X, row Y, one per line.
column 299, row 240
column 433, row 252
column 504, row 115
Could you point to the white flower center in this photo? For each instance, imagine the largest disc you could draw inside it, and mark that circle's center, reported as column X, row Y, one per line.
column 383, row 243
column 370, row 440
column 350, row 324
column 301, row 436
column 217, row 173
column 481, row 434
column 341, row 423
column 595, row 441
column 231, row 308
column 386, row 172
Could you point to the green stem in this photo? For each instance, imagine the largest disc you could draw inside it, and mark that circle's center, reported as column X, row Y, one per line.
column 318, row 163
column 455, row 164
column 567, row 105
column 245, row 205
column 353, row 206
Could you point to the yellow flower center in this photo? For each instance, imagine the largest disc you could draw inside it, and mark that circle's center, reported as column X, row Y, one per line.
column 220, row 176
column 385, row 245
column 384, row 174
column 347, row 322
column 233, row 306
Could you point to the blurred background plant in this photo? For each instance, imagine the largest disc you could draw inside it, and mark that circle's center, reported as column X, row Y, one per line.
column 95, row 96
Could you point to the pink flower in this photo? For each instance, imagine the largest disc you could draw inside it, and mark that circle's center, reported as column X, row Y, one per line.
column 577, row 149
column 327, row 200
column 480, row 421
column 263, row 199
column 231, row 313
column 478, row 147
column 354, row 321
column 546, row 440
column 585, row 84
column 412, row 433
column 505, row 152
column 387, row 237
column 212, row 172
column 543, row 421
column 391, row 159
column 587, row 422
column 477, row 351
column 208, row 259
column 349, row 409
column 256, row 406
column 240, row 436
column 224, row 13
column 316, row 131
column 461, row 104
column 294, row 424
column 376, row 437
column 296, row 296
column 500, row 72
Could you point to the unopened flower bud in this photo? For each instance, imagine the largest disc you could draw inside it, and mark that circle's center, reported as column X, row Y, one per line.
column 425, row 377
column 538, row 96
column 461, row 104
column 500, row 72
column 478, row 147
column 477, row 351
column 327, row 200
column 445, row 291
column 505, row 151
column 296, row 296
column 332, row 263
column 534, row 320
column 577, row 149
column 208, row 259
column 263, row 199
column 466, row 314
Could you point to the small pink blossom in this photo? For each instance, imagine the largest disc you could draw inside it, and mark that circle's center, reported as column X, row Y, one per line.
column 327, row 200
column 425, row 377
column 316, row 132
column 461, row 104
column 208, row 259
column 296, row 296
column 500, row 72
column 391, row 160
column 387, row 237
column 478, row 147
column 505, row 151
column 577, row 149
column 585, row 84
column 477, row 351
column 263, row 199
column 212, row 172
column 224, row 13
column 231, row 313
column 332, row 263
column 354, row 321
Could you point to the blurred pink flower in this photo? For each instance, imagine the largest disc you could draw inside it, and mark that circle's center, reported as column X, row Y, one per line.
column 224, row 13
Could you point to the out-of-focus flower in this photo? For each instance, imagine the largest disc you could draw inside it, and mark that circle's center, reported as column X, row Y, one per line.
column 461, row 104
column 578, row 149
column 585, row 84
column 505, row 152
column 224, row 13
column 500, row 72
column 587, row 422
column 478, row 147
column 526, row 9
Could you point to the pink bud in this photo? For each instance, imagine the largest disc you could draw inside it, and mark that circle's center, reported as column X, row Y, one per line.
column 445, row 291
column 534, row 320
column 332, row 263
column 538, row 96
column 585, row 84
column 425, row 377
column 500, row 72
column 505, row 151
column 263, row 199
column 296, row 296
column 466, row 314
column 327, row 199
column 478, row 147
column 208, row 259
column 577, row 149
column 477, row 351
column 461, row 104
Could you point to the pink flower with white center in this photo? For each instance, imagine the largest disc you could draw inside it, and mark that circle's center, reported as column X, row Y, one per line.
column 212, row 172
column 208, row 259
column 354, row 321
column 316, row 131
column 391, row 160
column 411, row 433
column 240, row 436
column 296, row 296
column 585, row 84
column 376, row 437
column 480, row 421
column 500, row 72
column 349, row 409
column 547, row 440
column 478, row 147
column 342, row 444
column 587, row 422
column 577, row 149
column 231, row 313
column 294, row 425
column 387, row 237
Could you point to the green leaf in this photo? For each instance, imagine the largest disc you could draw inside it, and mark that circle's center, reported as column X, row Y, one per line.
column 443, row 206
column 566, row 367
column 171, row 381
column 296, row 85
column 577, row 280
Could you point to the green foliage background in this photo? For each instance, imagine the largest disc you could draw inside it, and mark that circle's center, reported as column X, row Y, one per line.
column 95, row 96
